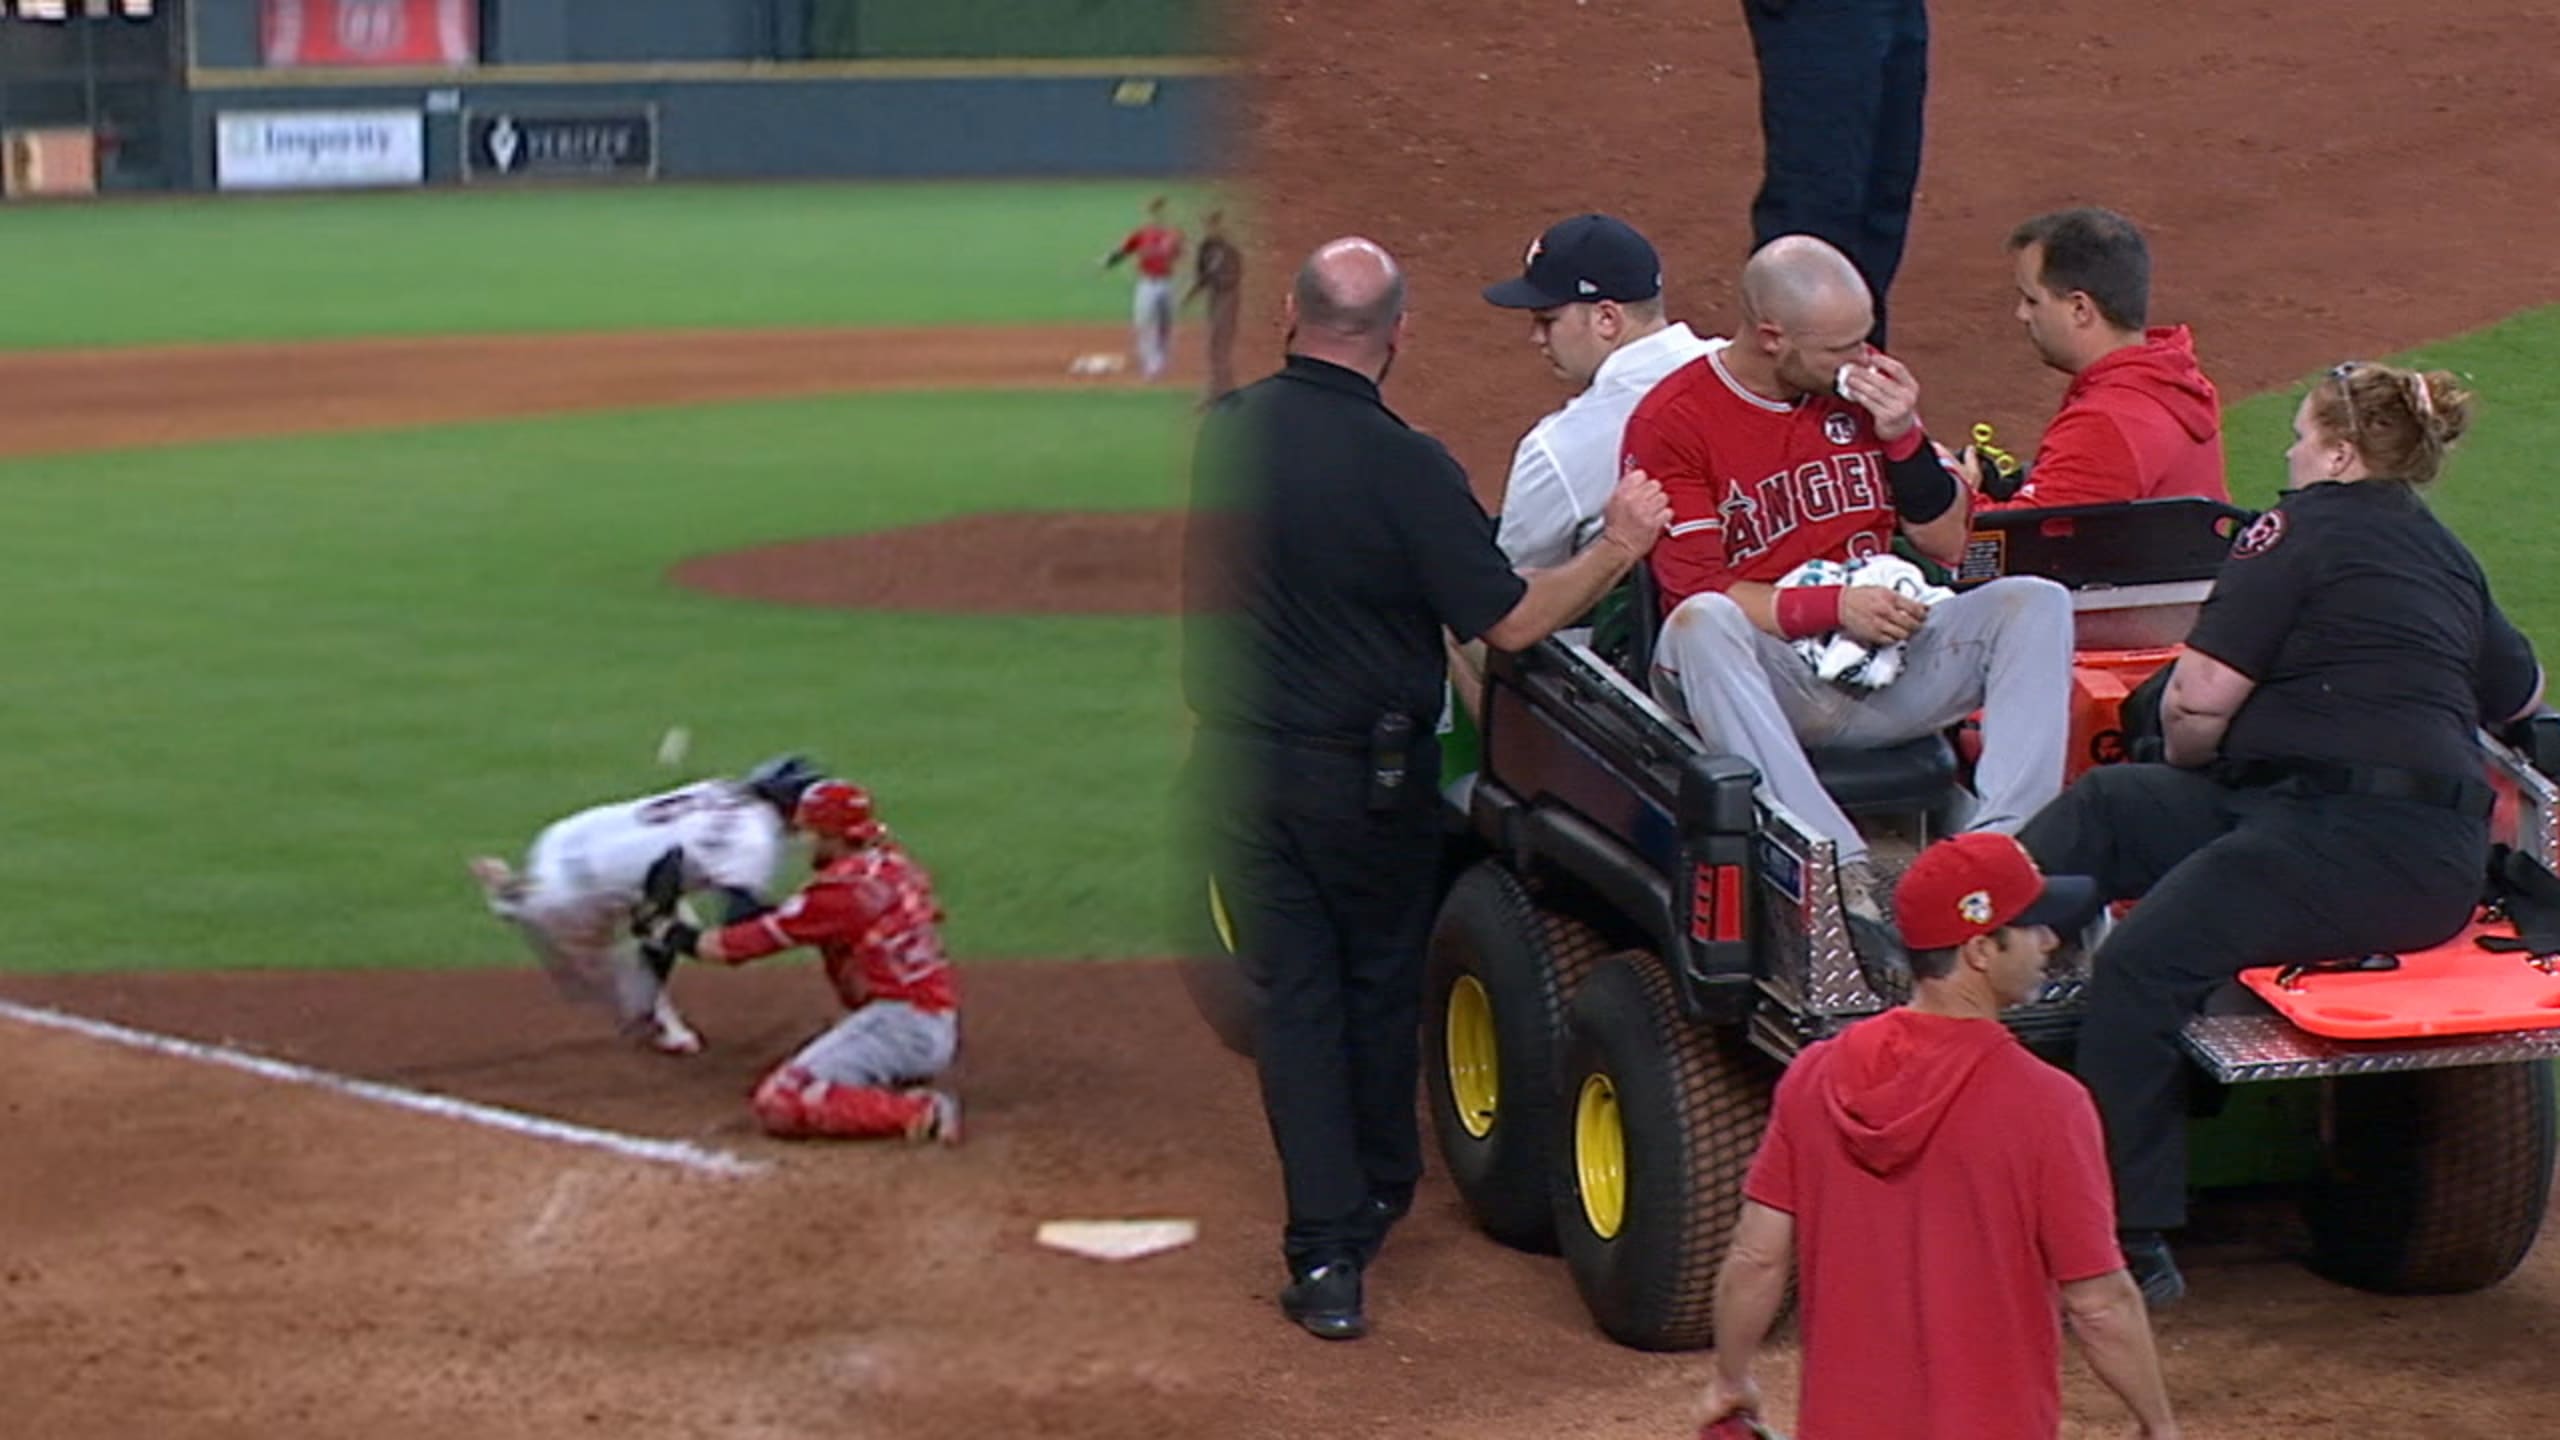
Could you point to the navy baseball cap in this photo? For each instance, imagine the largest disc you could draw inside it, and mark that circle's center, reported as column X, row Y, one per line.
column 1586, row 258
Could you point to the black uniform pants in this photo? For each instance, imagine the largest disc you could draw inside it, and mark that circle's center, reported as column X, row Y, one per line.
column 1332, row 903
column 2229, row 879
column 1843, row 85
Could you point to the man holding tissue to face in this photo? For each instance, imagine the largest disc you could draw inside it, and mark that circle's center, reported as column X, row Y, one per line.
column 1800, row 442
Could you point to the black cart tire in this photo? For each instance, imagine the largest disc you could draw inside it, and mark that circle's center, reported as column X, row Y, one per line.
column 2433, row 1182
column 1498, row 977
column 1660, row 1119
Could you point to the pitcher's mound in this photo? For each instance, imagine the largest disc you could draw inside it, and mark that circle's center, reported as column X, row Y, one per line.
column 1009, row 563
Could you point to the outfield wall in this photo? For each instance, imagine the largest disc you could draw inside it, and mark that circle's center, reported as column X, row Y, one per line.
column 694, row 84
column 561, row 32
column 717, row 122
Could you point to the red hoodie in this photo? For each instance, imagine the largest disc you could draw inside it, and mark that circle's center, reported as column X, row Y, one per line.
column 1944, row 1183
column 2140, row 424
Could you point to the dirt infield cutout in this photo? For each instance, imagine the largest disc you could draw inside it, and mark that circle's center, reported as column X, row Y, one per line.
column 1002, row 563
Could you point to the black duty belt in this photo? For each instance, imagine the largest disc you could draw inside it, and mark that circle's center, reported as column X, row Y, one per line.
column 2379, row 782
column 1294, row 739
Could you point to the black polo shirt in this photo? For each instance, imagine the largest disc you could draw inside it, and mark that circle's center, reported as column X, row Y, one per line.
column 1349, row 539
column 2370, row 631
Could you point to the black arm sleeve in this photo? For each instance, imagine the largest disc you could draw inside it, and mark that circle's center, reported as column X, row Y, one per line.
column 1469, row 582
column 2255, row 600
column 2504, row 672
column 1922, row 487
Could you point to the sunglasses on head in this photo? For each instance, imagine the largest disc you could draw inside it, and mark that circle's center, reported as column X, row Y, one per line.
column 2346, row 392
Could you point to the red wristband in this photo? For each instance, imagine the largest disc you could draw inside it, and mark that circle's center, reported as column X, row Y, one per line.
column 1805, row 610
column 1906, row 447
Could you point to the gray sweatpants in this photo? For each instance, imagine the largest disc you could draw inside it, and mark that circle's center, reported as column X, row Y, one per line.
column 2004, row 648
column 883, row 1043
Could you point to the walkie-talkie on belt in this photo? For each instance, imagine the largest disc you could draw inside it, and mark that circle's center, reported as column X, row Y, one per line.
column 1390, row 753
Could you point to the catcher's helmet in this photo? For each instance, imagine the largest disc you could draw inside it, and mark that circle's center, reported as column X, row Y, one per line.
column 779, row 781
column 832, row 807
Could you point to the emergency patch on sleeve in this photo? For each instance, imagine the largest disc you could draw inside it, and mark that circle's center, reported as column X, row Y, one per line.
column 2263, row 535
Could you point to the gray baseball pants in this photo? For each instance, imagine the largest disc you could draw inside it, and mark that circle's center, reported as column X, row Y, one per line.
column 2004, row 648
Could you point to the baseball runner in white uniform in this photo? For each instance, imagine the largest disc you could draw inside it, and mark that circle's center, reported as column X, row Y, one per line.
column 587, row 872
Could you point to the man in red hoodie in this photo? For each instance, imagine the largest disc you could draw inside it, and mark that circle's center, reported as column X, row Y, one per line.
column 1937, row 1188
column 2140, row 420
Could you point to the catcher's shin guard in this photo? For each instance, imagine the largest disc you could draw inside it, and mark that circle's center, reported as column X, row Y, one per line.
column 793, row 1104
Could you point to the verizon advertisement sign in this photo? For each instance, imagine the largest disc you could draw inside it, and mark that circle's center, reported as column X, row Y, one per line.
column 558, row 145
column 318, row 149
column 370, row 32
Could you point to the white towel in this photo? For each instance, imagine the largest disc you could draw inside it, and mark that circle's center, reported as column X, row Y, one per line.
column 1836, row 657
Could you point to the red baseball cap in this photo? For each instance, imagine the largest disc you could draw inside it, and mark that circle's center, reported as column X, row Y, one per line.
column 1974, row 884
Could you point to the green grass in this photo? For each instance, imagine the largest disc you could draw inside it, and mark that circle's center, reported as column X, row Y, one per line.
column 2497, row 493
column 307, row 267
column 268, row 696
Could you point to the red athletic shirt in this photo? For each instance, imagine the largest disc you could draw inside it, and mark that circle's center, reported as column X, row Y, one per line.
column 1757, row 486
column 1157, row 248
column 873, row 919
column 2141, row 424
column 1944, row 1183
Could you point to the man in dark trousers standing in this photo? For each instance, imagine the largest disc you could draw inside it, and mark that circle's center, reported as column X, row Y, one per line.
column 1331, row 546
column 1842, row 87
column 1219, row 273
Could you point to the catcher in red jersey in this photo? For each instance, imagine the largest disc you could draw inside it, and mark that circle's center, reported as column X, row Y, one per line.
column 1158, row 247
column 1799, row 441
column 870, row 914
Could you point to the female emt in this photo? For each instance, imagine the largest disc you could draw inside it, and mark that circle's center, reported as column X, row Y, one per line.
column 2322, row 796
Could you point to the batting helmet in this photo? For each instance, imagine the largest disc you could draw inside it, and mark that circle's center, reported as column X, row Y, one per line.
column 779, row 782
column 832, row 807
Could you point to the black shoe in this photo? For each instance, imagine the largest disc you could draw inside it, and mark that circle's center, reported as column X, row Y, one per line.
column 1882, row 962
column 1325, row 1301
column 1377, row 1217
column 2146, row 1254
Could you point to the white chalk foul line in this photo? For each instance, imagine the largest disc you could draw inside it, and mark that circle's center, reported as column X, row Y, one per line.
column 664, row 1152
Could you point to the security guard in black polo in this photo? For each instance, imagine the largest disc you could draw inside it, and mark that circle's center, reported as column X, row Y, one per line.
column 2323, row 798
column 1344, row 543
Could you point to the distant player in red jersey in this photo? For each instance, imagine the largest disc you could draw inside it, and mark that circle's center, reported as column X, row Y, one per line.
column 871, row 915
column 1799, row 441
column 1158, row 247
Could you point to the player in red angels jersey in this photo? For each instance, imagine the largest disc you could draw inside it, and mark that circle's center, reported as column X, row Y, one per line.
column 1796, row 442
column 1158, row 247
column 870, row 914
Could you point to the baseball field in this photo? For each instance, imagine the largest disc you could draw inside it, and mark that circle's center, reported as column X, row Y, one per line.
column 350, row 536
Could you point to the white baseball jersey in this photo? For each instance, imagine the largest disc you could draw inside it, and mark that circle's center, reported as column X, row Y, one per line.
column 1567, row 464
column 730, row 838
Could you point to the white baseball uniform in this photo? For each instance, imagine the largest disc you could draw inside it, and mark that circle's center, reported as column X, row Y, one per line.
column 585, row 874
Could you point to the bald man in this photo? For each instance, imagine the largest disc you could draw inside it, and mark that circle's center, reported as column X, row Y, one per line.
column 1799, row 441
column 1330, row 546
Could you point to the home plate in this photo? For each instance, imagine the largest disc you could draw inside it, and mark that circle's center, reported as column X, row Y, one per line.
column 1117, row 1239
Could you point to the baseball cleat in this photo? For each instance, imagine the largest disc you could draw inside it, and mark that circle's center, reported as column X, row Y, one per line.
column 664, row 1032
column 940, row 1122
